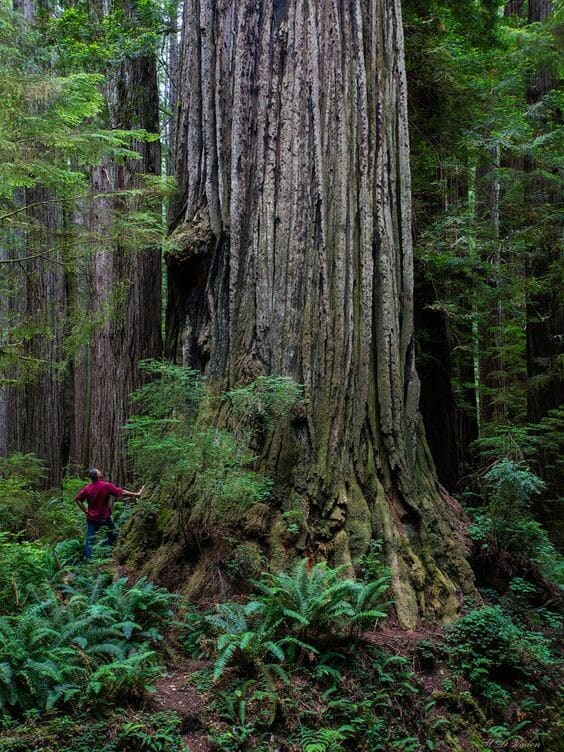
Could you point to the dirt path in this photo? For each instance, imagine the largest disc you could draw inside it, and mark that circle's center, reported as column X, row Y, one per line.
column 173, row 692
column 401, row 641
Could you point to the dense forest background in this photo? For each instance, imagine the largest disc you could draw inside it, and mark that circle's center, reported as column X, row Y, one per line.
column 297, row 267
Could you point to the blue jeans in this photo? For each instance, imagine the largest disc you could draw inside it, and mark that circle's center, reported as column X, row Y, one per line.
column 92, row 527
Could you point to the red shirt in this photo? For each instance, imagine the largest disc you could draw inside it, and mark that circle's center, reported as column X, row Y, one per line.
column 97, row 496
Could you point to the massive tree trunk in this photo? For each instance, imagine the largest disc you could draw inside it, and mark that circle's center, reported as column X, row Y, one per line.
column 125, row 279
column 294, row 227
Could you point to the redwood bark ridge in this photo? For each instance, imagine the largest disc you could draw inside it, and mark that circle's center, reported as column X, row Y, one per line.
column 299, row 164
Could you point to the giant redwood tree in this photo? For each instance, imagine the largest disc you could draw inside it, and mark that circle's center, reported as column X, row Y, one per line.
column 294, row 258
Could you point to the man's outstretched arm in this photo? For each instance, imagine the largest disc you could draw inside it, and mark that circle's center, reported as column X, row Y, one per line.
column 134, row 494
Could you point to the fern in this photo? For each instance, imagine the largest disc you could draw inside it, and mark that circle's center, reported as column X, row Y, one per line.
column 97, row 640
column 126, row 678
column 325, row 739
column 290, row 617
column 318, row 602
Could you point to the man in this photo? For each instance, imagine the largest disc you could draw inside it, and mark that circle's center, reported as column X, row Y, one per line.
column 99, row 513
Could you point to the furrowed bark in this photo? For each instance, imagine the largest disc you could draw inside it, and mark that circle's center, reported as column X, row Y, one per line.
column 41, row 418
column 295, row 258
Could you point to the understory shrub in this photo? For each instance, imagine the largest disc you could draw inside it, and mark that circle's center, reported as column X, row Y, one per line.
column 280, row 638
column 24, row 566
column 505, row 530
column 512, row 486
column 151, row 732
column 112, row 732
column 203, row 472
column 366, row 700
column 318, row 602
column 262, row 403
column 31, row 513
column 488, row 648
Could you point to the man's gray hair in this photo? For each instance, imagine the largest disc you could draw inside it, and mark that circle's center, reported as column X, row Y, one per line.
column 93, row 473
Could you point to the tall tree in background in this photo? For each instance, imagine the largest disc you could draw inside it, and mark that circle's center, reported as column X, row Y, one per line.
column 294, row 257
column 486, row 120
column 123, row 275
column 441, row 110
column 545, row 310
column 81, row 228
column 33, row 415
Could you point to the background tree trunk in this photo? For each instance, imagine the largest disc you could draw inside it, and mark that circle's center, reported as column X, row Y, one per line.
column 545, row 312
column 32, row 417
column 124, row 279
column 448, row 427
column 514, row 7
column 295, row 233
column 545, row 308
column 41, row 417
column 75, row 415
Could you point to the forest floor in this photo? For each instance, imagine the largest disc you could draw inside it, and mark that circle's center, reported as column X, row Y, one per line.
column 185, row 691
column 174, row 692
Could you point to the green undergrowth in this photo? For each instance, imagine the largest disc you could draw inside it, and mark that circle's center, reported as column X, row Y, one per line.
column 508, row 540
column 305, row 662
column 120, row 730
column 302, row 659
column 73, row 636
column 208, row 500
column 302, row 666
column 30, row 513
column 206, row 475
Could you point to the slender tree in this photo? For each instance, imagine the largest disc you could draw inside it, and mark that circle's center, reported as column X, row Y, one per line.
column 294, row 257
